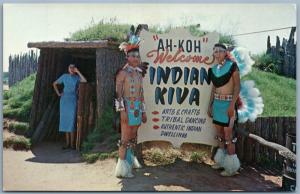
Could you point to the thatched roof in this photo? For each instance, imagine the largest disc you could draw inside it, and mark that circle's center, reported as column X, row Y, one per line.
column 74, row 44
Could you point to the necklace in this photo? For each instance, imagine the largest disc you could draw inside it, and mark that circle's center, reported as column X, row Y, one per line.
column 220, row 65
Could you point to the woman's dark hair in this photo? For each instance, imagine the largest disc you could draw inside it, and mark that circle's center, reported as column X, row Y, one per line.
column 73, row 64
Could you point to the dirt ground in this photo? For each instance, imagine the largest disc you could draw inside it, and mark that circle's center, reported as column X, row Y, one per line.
column 49, row 168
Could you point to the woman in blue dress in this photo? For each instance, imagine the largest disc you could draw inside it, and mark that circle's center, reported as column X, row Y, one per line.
column 68, row 103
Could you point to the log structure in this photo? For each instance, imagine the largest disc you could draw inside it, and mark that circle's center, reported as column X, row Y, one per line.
column 97, row 60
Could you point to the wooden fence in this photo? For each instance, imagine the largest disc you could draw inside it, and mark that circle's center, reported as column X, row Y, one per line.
column 21, row 66
column 272, row 129
column 285, row 54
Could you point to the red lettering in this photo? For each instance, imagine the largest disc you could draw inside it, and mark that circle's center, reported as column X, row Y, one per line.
column 178, row 56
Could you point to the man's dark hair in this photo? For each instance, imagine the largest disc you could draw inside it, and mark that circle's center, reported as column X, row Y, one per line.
column 220, row 45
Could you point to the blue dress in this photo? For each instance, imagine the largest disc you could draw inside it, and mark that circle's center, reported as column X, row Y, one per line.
column 68, row 102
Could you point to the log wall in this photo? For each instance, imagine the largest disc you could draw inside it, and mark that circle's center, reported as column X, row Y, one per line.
column 108, row 62
column 51, row 64
column 272, row 129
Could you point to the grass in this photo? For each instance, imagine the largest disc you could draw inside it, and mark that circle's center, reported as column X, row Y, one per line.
column 17, row 143
column 103, row 133
column 17, row 127
column 163, row 153
column 197, row 157
column 17, row 103
column 158, row 153
column 156, row 156
column 103, row 30
column 17, row 100
column 112, row 30
column 93, row 157
column 266, row 62
column 278, row 92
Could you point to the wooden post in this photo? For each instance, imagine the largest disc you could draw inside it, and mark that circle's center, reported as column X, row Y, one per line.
column 257, row 132
column 272, row 138
column 280, row 136
column 239, row 145
column 79, row 129
column 80, row 114
column 139, row 153
column 85, row 111
column 247, row 146
column 251, row 143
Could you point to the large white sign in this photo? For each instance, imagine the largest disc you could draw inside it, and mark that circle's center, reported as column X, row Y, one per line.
column 177, row 88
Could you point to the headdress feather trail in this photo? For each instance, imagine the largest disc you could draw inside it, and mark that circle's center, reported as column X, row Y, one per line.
column 250, row 101
column 243, row 59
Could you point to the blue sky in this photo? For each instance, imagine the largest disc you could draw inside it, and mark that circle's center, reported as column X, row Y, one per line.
column 23, row 23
